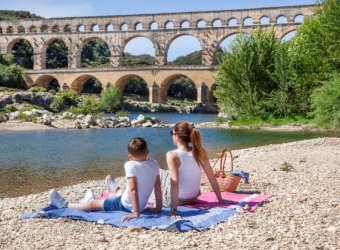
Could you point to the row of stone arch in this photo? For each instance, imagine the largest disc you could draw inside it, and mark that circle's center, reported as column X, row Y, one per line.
column 50, row 82
column 85, row 41
column 201, row 23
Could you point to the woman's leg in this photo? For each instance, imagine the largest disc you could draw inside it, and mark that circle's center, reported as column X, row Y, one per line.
column 93, row 205
column 165, row 185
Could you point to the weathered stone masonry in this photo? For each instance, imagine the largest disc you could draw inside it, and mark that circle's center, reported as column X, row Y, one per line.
column 210, row 28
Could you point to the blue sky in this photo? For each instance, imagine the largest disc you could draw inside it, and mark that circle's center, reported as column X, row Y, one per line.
column 62, row 8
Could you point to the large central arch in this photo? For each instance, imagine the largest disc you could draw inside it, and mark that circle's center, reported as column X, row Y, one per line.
column 59, row 57
column 171, row 41
column 23, row 52
column 143, row 48
column 82, row 46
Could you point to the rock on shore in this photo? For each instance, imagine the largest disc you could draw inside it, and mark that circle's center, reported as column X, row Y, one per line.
column 303, row 214
column 68, row 120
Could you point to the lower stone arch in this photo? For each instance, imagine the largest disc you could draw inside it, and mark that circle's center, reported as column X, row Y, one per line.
column 164, row 86
column 78, row 83
column 48, row 82
column 125, row 80
column 122, row 80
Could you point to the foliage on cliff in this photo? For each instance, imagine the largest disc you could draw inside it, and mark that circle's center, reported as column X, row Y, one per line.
column 140, row 60
column 194, row 58
column 11, row 15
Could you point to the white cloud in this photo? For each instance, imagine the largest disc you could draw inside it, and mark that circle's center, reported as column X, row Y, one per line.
column 50, row 8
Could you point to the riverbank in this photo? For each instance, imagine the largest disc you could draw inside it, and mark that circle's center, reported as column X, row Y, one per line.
column 23, row 126
column 302, row 214
column 286, row 127
column 70, row 121
column 70, row 124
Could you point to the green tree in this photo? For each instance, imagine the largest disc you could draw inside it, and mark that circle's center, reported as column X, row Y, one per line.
column 326, row 104
column 111, row 99
column 95, row 53
column 56, row 55
column 182, row 88
column 315, row 50
column 64, row 100
column 11, row 74
column 245, row 81
column 87, row 105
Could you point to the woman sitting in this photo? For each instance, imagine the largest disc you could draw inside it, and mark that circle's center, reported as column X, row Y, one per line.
column 185, row 167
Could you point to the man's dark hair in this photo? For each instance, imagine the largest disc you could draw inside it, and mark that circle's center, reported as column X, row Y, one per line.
column 137, row 146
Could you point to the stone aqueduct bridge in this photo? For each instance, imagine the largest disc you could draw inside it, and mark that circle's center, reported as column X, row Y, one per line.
column 209, row 27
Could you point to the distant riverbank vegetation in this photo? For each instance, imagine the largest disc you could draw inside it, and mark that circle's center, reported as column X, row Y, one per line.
column 109, row 101
column 264, row 80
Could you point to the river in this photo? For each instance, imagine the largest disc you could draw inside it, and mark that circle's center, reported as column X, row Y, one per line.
column 34, row 161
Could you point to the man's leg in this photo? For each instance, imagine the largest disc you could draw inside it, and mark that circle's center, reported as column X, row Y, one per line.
column 93, row 205
column 60, row 202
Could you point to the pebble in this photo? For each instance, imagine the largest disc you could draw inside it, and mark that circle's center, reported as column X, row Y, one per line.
column 229, row 236
column 332, row 229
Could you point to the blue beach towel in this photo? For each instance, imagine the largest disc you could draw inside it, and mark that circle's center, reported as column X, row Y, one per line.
column 191, row 218
column 242, row 174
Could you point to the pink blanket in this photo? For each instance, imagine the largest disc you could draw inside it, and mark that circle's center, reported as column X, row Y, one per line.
column 250, row 201
column 105, row 195
column 209, row 200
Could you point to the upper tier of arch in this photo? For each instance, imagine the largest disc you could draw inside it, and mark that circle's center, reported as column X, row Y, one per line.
column 152, row 22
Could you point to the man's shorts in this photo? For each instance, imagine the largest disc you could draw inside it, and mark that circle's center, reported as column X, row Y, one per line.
column 114, row 204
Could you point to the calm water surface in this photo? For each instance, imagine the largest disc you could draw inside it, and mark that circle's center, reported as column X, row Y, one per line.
column 39, row 160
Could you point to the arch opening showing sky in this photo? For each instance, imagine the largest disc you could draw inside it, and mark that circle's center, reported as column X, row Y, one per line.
column 140, row 46
column 182, row 46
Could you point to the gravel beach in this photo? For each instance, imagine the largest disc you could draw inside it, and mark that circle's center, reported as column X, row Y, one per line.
column 303, row 214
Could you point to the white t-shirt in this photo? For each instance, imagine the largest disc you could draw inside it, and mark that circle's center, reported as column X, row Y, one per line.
column 190, row 175
column 145, row 173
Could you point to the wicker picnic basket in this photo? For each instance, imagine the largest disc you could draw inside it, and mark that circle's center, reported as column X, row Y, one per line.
column 226, row 181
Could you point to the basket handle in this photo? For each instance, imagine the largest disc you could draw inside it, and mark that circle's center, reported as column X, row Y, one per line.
column 223, row 158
